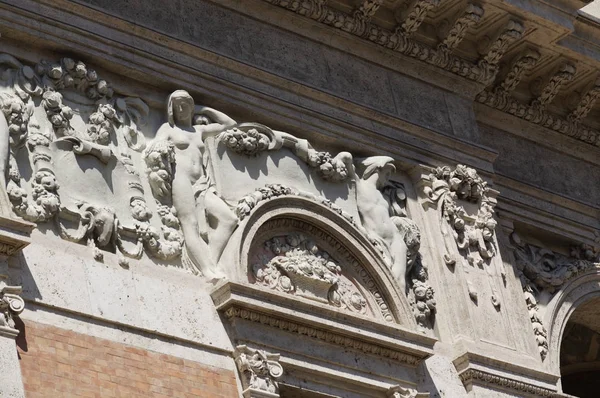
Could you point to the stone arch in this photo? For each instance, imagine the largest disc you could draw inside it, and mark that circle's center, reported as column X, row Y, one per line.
column 336, row 233
column 575, row 293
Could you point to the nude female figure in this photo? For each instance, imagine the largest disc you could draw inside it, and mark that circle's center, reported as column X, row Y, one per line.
column 206, row 220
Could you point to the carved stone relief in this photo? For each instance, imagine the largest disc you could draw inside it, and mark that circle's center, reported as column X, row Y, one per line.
column 295, row 264
column 544, row 272
column 466, row 212
column 205, row 173
column 259, row 372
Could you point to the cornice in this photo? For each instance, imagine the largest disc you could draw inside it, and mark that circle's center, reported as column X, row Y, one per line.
column 474, row 376
column 483, row 70
column 242, row 302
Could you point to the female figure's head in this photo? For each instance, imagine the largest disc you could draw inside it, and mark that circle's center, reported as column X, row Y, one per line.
column 180, row 108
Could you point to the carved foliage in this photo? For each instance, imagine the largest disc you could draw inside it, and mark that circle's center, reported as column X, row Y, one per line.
column 541, row 269
column 301, row 267
column 295, row 264
column 415, row 16
column 259, row 369
column 457, row 32
column 160, row 162
column 474, row 236
column 564, row 75
column 115, row 120
column 586, row 103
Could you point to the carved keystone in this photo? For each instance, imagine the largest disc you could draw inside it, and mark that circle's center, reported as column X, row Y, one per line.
column 258, row 371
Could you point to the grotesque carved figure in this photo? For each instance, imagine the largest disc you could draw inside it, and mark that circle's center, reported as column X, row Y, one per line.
column 203, row 215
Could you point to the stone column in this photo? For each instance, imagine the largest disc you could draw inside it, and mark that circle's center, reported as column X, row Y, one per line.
column 14, row 235
column 258, row 372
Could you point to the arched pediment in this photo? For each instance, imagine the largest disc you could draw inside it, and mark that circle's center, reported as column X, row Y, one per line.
column 297, row 246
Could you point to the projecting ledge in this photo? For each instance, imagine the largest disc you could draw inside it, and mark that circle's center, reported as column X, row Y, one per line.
column 292, row 314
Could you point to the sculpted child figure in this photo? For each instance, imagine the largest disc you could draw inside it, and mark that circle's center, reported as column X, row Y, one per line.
column 371, row 176
column 206, row 220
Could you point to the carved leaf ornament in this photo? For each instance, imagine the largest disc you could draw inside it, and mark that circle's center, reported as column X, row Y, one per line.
column 473, row 234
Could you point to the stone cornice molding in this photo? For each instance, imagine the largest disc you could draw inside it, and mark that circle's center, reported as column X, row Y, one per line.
column 473, row 376
column 257, row 305
column 484, row 70
column 400, row 40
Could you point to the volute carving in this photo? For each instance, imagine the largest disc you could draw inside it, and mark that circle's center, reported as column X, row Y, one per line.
column 11, row 304
column 259, row 372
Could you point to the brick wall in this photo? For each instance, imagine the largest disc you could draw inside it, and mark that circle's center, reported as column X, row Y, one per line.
column 61, row 363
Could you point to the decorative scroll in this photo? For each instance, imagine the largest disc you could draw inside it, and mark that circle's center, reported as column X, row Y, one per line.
column 259, row 370
column 11, row 304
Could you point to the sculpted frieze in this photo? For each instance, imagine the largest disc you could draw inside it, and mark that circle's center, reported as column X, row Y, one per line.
column 99, row 170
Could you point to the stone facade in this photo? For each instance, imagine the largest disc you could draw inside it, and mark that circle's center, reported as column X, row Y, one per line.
column 276, row 198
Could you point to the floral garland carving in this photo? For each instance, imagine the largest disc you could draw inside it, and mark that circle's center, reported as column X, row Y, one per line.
column 447, row 186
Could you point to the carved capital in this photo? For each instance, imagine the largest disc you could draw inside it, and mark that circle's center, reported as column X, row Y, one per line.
column 259, row 372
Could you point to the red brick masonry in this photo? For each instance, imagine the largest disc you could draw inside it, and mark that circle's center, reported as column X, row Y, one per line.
column 60, row 363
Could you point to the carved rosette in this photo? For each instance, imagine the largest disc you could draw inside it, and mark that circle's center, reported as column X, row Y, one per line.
column 295, row 264
column 541, row 270
column 259, row 372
